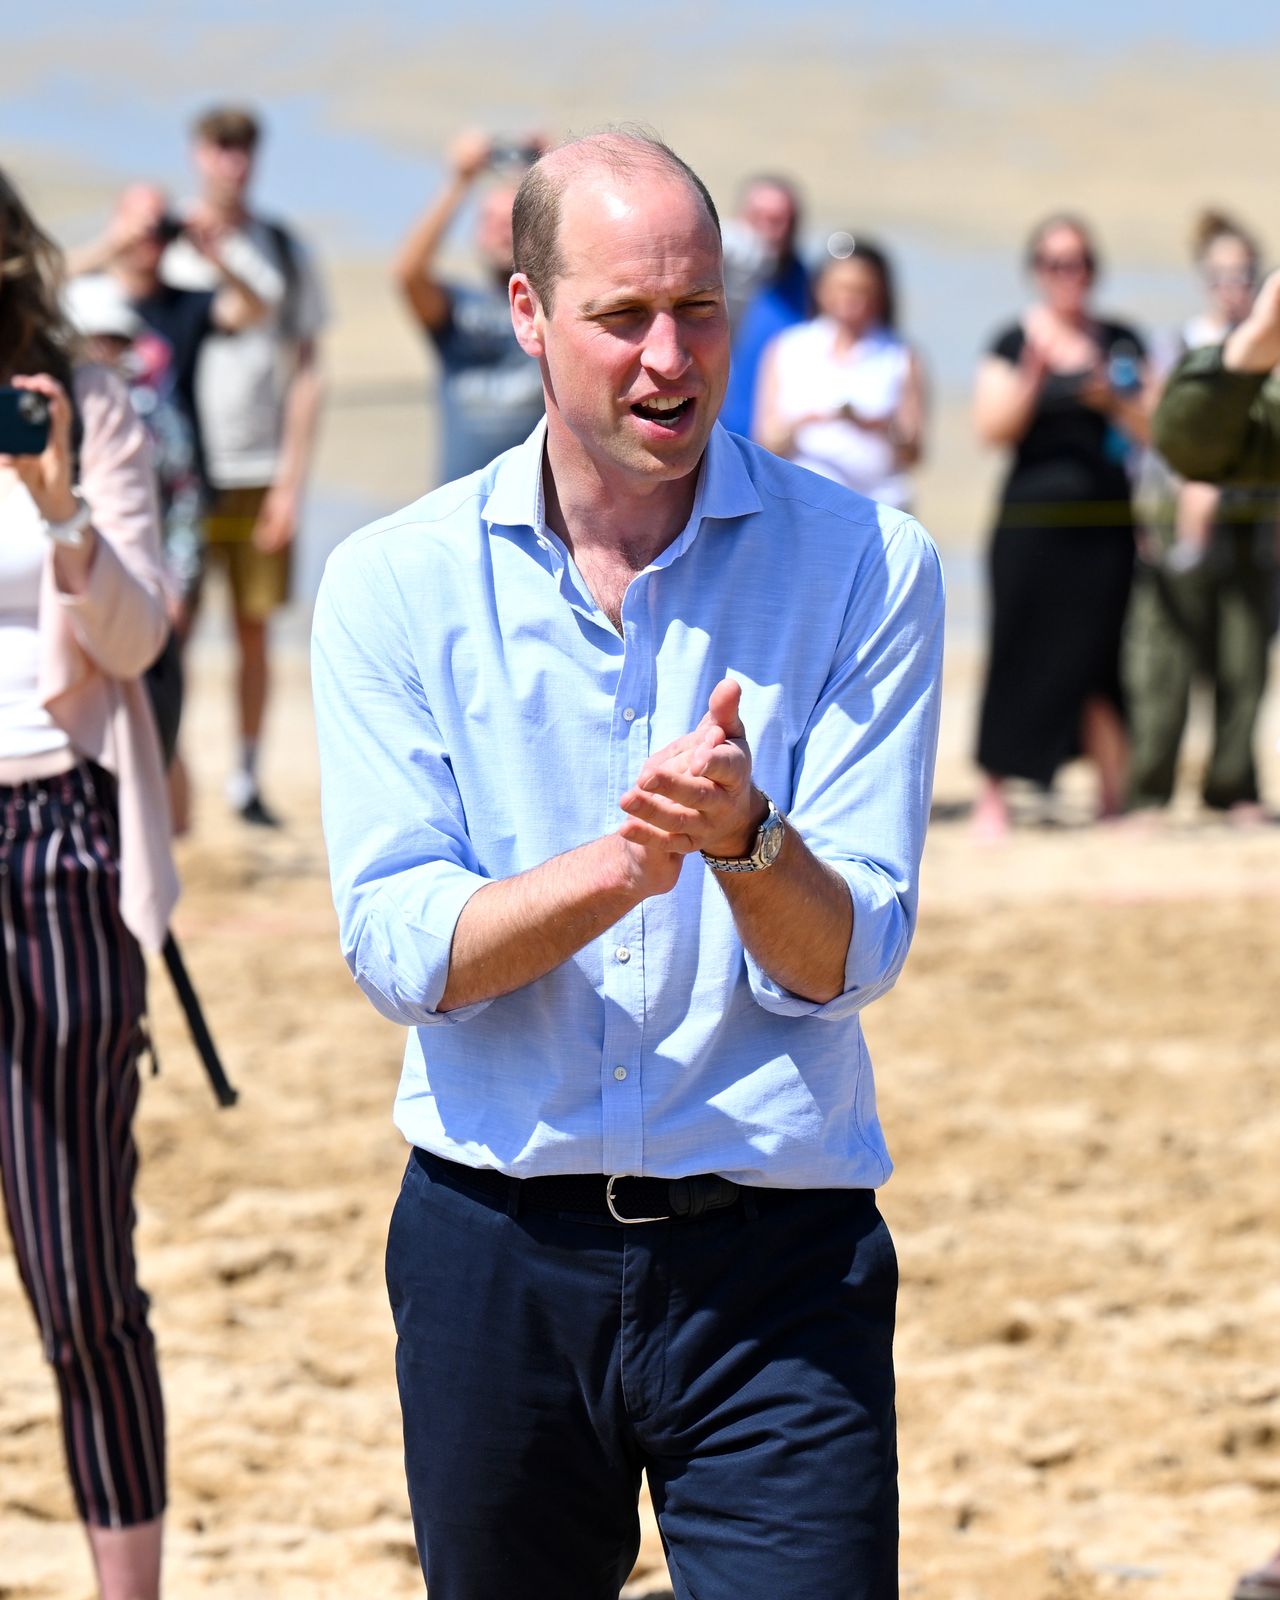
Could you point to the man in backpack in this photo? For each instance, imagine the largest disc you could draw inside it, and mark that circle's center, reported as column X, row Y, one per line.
column 258, row 395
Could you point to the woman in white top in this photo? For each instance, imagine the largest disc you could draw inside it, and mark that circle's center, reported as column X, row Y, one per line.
column 844, row 394
column 86, row 881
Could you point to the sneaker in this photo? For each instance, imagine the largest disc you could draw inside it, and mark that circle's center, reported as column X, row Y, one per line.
column 256, row 813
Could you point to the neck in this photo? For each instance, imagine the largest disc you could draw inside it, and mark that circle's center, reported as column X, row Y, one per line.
column 1070, row 319
column 591, row 509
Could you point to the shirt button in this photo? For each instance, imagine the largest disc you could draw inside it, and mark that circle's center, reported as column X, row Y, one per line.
column 628, row 715
column 622, row 954
column 619, row 1073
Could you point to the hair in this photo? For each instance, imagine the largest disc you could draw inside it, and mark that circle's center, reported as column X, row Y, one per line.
column 1062, row 219
column 535, row 215
column 35, row 332
column 228, row 125
column 878, row 261
column 770, row 180
column 1210, row 226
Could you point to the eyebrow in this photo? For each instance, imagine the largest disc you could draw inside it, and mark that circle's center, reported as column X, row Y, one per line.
column 623, row 299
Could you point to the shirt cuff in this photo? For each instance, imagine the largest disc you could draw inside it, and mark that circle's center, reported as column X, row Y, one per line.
column 877, row 950
column 402, row 962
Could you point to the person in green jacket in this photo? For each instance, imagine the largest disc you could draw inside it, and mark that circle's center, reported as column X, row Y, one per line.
column 1219, row 418
column 1203, row 604
column 1219, row 422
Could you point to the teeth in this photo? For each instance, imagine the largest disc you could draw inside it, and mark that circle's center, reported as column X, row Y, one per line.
column 664, row 402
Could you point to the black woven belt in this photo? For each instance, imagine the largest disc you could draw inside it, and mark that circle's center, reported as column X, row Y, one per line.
column 624, row 1199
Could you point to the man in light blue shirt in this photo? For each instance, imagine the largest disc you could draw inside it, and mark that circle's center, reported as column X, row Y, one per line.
column 637, row 1229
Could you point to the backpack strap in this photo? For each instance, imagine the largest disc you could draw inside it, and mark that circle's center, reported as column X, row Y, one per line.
column 286, row 249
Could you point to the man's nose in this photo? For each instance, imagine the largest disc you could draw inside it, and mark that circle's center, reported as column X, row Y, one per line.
column 665, row 352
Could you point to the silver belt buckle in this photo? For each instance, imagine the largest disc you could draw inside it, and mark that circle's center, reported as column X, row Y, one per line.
column 613, row 1210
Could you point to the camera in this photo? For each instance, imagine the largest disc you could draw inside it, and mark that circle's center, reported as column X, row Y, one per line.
column 511, row 153
column 168, row 228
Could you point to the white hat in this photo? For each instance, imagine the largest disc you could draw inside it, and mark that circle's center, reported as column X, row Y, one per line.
column 98, row 307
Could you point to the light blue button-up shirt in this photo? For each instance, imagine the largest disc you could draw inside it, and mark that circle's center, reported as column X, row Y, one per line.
column 478, row 714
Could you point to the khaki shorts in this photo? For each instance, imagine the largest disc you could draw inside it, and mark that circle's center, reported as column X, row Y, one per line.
column 259, row 579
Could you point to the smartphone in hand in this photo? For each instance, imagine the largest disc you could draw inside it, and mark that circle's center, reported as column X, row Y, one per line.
column 24, row 422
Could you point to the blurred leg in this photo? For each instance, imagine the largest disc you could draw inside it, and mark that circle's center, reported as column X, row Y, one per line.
column 127, row 1560
column 1105, row 742
column 1239, row 684
column 1159, row 664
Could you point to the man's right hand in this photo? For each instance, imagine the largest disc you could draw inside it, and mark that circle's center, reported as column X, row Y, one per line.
column 1255, row 345
column 651, row 859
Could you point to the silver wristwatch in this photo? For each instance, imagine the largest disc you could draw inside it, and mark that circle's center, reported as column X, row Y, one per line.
column 71, row 532
column 763, row 853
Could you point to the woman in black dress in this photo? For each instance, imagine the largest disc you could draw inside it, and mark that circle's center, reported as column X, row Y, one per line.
column 1063, row 389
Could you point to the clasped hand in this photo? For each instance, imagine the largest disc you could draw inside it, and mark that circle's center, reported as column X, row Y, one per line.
column 694, row 794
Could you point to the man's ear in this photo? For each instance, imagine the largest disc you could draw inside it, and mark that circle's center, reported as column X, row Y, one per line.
column 527, row 316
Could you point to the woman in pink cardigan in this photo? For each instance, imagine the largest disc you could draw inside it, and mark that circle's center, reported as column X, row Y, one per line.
column 86, row 883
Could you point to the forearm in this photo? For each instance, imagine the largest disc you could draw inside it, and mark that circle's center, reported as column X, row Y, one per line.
column 795, row 918
column 516, row 930
column 1130, row 413
column 412, row 267
column 1003, row 419
column 96, row 256
column 238, row 305
column 301, row 420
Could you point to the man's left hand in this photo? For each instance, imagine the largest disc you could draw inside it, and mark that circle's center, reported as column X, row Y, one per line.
column 277, row 520
column 698, row 789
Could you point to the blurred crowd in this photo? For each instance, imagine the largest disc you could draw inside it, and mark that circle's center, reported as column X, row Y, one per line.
column 1115, row 585
column 179, row 357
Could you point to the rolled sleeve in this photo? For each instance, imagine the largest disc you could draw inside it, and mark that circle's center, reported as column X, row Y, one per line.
column 863, row 777
column 401, row 864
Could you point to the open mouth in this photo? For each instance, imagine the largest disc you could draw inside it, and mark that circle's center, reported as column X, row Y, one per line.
column 666, row 410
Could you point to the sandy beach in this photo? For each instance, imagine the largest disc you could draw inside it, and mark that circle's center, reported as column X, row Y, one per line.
column 1079, row 1072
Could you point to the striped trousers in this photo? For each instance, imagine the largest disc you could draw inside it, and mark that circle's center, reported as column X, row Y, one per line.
column 72, row 996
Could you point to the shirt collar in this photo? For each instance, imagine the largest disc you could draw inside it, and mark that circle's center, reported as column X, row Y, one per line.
column 725, row 488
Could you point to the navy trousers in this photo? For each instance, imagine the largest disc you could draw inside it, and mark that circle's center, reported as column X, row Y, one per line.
column 744, row 1360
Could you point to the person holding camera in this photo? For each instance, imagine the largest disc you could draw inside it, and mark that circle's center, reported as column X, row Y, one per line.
column 490, row 391
column 86, row 883
column 259, row 391
column 130, row 252
column 1063, row 389
column 175, row 326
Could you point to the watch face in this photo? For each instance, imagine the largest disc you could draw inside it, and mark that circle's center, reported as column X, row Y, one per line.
column 771, row 830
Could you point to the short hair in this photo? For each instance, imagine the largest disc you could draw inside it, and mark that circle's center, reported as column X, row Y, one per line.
column 1062, row 219
column 233, row 126
column 771, row 180
column 535, row 215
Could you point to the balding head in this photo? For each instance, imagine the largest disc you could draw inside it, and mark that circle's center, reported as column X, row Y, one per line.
column 622, row 154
